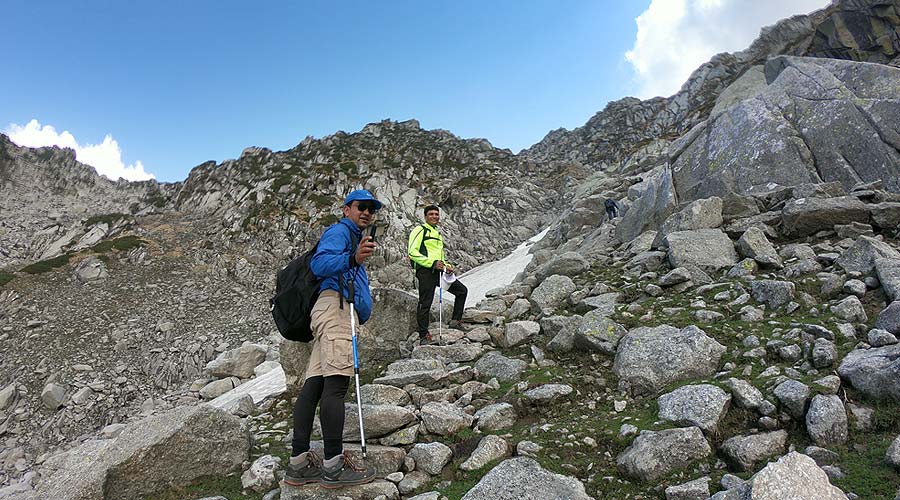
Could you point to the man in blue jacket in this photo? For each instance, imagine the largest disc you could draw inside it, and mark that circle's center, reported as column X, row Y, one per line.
column 338, row 260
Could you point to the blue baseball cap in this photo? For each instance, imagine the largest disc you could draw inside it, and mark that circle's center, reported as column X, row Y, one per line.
column 361, row 195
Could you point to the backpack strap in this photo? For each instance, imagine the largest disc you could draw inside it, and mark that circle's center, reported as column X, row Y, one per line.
column 353, row 244
column 422, row 249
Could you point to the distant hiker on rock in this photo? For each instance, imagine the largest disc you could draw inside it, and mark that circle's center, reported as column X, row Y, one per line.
column 612, row 208
column 426, row 251
column 338, row 262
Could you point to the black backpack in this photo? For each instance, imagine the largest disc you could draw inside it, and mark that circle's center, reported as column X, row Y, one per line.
column 296, row 292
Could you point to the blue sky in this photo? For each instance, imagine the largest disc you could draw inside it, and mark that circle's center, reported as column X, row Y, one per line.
column 169, row 85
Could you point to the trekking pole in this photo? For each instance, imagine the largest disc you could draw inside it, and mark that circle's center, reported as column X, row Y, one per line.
column 440, row 306
column 362, row 433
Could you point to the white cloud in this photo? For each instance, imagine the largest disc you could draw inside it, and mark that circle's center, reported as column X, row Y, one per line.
column 674, row 37
column 105, row 157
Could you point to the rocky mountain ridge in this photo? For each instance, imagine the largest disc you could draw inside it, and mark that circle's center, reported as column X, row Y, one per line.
column 163, row 289
column 631, row 135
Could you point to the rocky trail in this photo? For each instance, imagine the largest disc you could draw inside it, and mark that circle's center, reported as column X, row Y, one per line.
column 732, row 335
column 671, row 370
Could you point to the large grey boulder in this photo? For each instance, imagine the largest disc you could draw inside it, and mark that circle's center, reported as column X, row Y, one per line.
column 165, row 450
column 826, row 421
column 824, row 353
column 886, row 215
column 655, row 454
column 445, row 419
column 552, row 293
column 393, row 317
column 53, row 395
column 431, row 457
column 747, row 451
column 294, row 357
column 892, row 455
column 772, row 292
column 699, row 214
column 649, row 358
column 377, row 489
column 793, row 395
column 702, row 405
column 238, row 362
column 458, row 353
column 697, row 489
column 888, row 320
column 91, row 269
column 493, row 364
column 708, row 249
column 567, row 264
column 7, row 395
column 753, row 244
column 888, row 271
column 547, row 393
column 496, row 416
column 489, row 449
column 518, row 332
column 850, row 309
column 219, row 387
column 874, row 372
column 522, row 477
column 745, row 395
column 599, row 333
column 654, row 201
column 603, row 304
column 807, row 216
column 860, row 258
column 793, row 476
column 378, row 420
column 817, row 120
column 425, row 372
column 260, row 477
column 380, row 394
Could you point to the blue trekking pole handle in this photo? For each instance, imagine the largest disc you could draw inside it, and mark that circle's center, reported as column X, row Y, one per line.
column 355, row 349
column 352, row 291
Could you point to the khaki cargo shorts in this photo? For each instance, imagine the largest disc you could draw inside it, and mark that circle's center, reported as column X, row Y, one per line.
column 331, row 351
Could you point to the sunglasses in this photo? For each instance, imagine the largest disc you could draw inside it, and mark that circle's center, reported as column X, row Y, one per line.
column 365, row 206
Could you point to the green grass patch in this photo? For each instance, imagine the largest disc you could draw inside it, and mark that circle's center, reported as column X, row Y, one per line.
column 460, row 481
column 108, row 219
column 6, row 277
column 867, row 474
column 48, row 265
column 226, row 486
column 124, row 243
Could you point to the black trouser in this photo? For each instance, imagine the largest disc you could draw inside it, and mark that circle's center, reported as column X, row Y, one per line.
column 328, row 393
column 611, row 213
column 428, row 281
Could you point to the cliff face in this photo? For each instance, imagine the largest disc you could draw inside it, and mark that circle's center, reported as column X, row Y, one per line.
column 629, row 134
column 46, row 196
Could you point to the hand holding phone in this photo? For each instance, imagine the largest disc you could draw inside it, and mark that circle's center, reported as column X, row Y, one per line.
column 372, row 230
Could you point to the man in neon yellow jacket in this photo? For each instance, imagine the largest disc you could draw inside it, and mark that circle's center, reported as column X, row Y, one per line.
column 426, row 251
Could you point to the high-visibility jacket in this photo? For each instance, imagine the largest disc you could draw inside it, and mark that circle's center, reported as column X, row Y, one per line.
column 425, row 246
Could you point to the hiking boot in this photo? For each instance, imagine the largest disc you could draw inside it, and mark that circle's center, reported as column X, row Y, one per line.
column 309, row 470
column 346, row 473
column 424, row 338
column 457, row 324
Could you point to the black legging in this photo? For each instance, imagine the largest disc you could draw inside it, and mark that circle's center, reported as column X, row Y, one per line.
column 428, row 280
column 328, row 393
